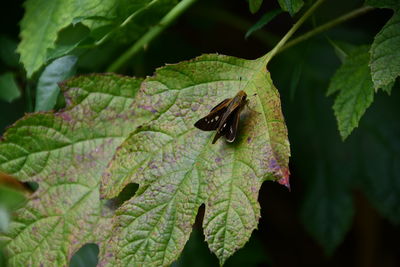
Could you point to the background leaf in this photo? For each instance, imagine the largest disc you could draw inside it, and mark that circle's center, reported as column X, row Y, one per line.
column 42, row 21
column 383, row 3
column 353, row 81
column 65, row 153
column 385, row 53
column 291, row 6
column 264, row 20
column 9, row 90
column 177, row 168
column 327, row 210
column 342, row 49
column 8, row 52
column 68, row 39
column 107, row 20
column 254, row 5
column 86, row 256
column 380, row 147
column 47, row 89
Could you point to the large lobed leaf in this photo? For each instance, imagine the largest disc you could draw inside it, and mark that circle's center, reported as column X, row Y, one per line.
column 354, row 84
column 175, row 164
column 178, row 169
column 66, row 153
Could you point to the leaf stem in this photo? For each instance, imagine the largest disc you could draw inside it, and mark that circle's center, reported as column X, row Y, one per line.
column 267, row 57
column 150, row 35
column 28, row 97
column 327, row 26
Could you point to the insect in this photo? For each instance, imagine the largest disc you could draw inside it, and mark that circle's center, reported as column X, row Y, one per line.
column 224, row 117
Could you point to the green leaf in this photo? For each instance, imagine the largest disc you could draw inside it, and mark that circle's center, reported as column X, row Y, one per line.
column 383, row 3
column 327, row 210
column 10, row 199
column 380, row 150
column 66, row 153
column 388, row 88
column 265, row 19
column 4, row 219
column 134, row 18
column 291, row 6
column 44, row 19
column 354, row 84
column 177, row 168
column 47, row 89
column 68, row 39
column 8, row 52
column 342, row 49
column 254, row 5
column 385, row 53
column 9, row 90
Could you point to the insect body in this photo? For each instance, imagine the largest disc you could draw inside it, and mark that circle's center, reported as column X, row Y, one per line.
column 224, row 117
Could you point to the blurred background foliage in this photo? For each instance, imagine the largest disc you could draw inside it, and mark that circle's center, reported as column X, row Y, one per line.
column 344, row 206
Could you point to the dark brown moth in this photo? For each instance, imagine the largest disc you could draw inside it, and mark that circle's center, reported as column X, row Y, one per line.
column 224, row 117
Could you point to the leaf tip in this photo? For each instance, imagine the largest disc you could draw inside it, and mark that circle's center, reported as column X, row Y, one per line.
column 285, row 179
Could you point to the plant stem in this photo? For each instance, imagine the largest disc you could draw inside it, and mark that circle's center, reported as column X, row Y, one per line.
column 267, row 57
column 151, row 34
column 28, row 97
column 327, row 26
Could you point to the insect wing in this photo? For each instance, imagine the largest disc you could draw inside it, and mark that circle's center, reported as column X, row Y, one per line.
column 212, row 120
column 224, row 104
column 228, row 127
column 232, row 126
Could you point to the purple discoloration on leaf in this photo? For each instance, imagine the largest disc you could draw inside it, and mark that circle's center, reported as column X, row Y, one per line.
column 148, row 108
column 65, row 116
column 195, row 107
column 69, row 150
column 178, row 168
column 273, row 165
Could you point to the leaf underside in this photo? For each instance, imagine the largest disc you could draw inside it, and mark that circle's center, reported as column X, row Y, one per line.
column 178, row 169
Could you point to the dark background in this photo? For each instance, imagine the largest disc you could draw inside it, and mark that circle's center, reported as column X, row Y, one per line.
column 329, row 178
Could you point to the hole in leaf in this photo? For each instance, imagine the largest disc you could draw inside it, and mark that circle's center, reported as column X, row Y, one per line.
column 33, row 186
column 86, row 256
column 196, row 251
column 127, row 193
column 199, row 217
